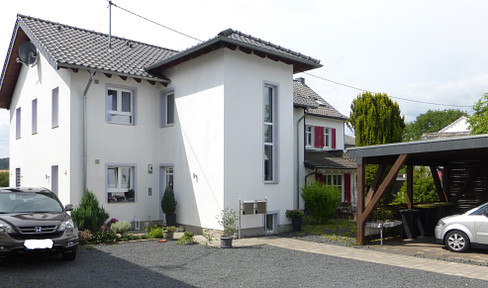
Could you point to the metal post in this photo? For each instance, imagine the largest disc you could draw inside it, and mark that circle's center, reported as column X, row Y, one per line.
column 110, row 25
column 240, row 213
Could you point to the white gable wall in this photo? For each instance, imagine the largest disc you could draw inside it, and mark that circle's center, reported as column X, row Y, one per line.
column 36, row 153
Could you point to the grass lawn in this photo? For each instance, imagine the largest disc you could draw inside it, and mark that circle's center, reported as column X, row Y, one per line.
column 335, row 230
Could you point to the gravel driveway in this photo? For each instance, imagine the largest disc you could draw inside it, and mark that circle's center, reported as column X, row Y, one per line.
column 153, row 264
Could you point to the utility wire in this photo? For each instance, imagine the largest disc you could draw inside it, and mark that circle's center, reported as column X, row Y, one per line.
column 154, row 22
column 404, row 99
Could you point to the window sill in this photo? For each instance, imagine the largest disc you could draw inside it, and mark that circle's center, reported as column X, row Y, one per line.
column 167, row 126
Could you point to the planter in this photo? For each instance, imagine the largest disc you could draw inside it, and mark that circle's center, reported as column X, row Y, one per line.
column 297, row 224
column 226, row 242
column 168, row 235
column 170, row 219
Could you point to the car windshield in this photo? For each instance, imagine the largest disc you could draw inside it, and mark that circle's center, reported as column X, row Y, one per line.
column 480, row 210
column 28, row 202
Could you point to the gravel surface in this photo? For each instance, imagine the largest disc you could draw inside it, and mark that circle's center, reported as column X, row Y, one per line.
column 152, row 264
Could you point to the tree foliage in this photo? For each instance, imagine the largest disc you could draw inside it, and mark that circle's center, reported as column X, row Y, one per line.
column 4, row 178
column 430, row 121
column 479, row 120
column 321, row 200
column 423, row 187
column 375, row 119
column 89, row 215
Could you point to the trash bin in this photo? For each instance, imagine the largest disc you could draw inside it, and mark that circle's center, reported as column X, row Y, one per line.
column 411, row 226
column 427, row 217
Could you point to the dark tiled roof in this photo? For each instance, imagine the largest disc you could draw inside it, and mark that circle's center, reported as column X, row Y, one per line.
column 247, row 44
column 328, row 160
column 68, row 46
column 304, row 96
column 349, row 141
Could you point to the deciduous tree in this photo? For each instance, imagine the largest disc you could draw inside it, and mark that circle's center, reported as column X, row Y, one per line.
column 479, row 120
column 430, row 121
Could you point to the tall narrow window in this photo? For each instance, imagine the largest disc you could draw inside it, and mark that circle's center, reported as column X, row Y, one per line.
column 18, row 177
column 34, row 116
column 120, row 106
column 18, row 128
column 309, row 136
column 55, row 108
column 326, row 137
column 167, row 109
column 270, row 129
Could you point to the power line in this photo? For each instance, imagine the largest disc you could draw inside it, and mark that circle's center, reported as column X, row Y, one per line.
column 404, row 99
column 154, row 22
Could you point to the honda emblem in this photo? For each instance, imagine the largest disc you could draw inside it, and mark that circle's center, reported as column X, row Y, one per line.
column 38, row 229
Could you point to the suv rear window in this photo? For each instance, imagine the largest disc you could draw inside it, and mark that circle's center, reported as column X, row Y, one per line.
column 28, row 202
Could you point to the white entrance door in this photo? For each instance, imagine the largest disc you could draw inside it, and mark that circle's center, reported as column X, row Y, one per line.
column 166, row 179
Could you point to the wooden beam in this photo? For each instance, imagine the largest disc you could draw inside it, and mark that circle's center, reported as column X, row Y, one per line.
column 409, row 186
column 438, row 187
column 360, row 225
column 376, row 182
column 390, row 177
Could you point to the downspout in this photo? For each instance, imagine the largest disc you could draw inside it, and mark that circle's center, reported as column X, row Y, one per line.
column 298, row 154
column 85, row 153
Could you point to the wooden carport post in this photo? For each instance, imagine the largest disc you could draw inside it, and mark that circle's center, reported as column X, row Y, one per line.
column 363, row 212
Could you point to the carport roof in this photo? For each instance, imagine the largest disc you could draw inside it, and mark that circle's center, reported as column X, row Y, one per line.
column 431, row 152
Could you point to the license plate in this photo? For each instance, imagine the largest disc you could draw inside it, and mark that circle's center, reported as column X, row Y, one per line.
column 32, row 244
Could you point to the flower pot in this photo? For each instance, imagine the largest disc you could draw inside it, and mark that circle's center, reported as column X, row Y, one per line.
column 297, row 224
column 226, row 242
column 170, row 219
column 168, row 235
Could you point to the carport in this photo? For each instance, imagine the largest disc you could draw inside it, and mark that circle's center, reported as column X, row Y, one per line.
column 464, row 181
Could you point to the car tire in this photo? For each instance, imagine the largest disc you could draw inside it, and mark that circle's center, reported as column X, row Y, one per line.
column 457, row 241
column 69, row 256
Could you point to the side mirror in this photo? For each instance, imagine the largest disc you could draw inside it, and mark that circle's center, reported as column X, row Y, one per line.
column 68, row 207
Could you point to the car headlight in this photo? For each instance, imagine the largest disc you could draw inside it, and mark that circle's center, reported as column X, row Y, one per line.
column 5, row 227
column 441, row 223
column 68, row 224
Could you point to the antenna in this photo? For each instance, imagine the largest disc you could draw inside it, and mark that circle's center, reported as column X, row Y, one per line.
column 27, row 54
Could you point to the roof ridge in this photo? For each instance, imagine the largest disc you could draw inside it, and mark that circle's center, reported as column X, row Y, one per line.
column 94, row 32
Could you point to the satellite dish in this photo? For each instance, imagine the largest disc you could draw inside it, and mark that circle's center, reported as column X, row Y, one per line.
column 27, row 54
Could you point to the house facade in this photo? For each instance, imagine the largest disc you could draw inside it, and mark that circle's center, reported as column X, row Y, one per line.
column 322, row 149
column 213, row 121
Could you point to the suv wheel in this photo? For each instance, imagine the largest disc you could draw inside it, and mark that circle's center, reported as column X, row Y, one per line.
column 457, row 241
column 70, row 256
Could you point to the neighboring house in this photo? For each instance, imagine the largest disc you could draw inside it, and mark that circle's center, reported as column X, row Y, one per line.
column 325, row 141
column 215, row 121
column 458, row 128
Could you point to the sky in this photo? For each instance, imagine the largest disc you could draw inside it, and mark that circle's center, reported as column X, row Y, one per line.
column 430, row 51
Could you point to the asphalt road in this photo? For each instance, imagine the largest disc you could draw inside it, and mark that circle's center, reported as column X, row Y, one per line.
column 152, row 264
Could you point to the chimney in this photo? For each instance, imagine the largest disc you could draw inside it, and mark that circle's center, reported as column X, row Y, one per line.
column 301, row 80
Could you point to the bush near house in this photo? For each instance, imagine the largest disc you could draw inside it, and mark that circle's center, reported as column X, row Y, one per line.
column 89, row 215
column 321, row 200
column 4, row 178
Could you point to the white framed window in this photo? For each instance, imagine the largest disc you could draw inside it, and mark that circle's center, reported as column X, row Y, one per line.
column 18, row 123
column 55, row 108
column 34, row 116
column 309, row 136
column 270, row 128
column 18, row 178
column 168, row 109
column 120, row 105
column 335, row 180
column 327, row 137
column 120, row 183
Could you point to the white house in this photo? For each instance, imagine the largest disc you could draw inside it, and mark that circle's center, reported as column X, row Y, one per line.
column 324, row 143
column 215, row 121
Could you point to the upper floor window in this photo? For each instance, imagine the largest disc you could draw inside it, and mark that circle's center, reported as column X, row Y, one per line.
column 270, row 129
column 18, row 128
column 34, row 116
column 167, row 109
column 320, row 137
column 309, row 136
column 55, row 108
column 120, row 106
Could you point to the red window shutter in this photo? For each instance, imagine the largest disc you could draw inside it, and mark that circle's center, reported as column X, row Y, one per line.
column 333, row 138
column 319, row 137
column 319, row 177
column 347, row 187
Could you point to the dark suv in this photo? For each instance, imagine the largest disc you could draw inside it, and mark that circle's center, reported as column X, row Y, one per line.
column 34, row 220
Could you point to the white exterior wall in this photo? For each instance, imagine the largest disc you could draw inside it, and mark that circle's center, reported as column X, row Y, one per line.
column 36, row 153
column 244, row 136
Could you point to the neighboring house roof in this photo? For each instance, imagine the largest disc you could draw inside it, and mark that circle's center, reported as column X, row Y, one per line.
column 304, row 96
column 246, row 43
column 70, row 47
column 349, row 141
column 458, row 128
column 328, row 160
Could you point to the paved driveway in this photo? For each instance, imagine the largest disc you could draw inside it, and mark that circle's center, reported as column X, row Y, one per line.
column 152, row 264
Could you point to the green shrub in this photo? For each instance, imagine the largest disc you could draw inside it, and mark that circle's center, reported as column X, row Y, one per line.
column 155, row 232
column 187, row 239
column 89, row 215
column 120, row 227
column 321, row 200
column 227, row 220
column 104, row 236
column 4, row 176
column 168, row 204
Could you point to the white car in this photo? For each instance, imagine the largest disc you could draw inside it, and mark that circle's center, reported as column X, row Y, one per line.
column 461, row 232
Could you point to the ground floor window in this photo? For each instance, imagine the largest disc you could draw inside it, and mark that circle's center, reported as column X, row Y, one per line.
column 120, row 184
